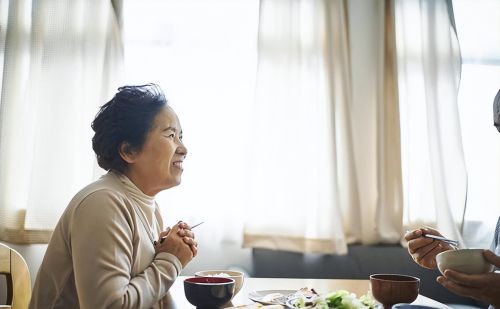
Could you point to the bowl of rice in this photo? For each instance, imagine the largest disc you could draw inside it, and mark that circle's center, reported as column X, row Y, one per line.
column 238, row 276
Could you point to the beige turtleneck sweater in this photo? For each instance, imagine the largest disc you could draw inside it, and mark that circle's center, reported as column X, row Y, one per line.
column 101, row 253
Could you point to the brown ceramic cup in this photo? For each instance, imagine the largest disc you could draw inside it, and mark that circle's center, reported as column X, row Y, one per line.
column 390, row 289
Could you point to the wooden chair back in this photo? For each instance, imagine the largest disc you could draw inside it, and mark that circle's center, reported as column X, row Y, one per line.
column 13, row 266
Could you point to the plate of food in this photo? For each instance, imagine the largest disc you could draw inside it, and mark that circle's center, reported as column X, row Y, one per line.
column 280, row 297
column 258, row 306
column 339, row 299
column 271, row 297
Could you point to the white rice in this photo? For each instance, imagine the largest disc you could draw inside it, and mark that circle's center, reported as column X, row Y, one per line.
column 219, row 275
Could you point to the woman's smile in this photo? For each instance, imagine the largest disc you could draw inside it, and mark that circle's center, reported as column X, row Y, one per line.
column 178, row 164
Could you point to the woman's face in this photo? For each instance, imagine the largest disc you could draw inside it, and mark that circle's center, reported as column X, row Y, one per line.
column 158, row 166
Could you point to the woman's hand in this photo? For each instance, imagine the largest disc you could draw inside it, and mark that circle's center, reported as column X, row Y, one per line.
column 171, row 242
column 188, row 236
column 424, row 250
column 483, row 287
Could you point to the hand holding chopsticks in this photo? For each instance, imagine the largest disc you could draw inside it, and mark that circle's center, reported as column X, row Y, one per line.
column 192, row 227
column 179, row 241
column 425, row 243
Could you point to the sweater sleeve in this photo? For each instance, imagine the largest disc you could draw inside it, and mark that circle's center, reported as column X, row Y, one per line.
column 102, row 253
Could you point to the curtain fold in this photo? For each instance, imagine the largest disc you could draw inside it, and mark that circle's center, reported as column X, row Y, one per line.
column 295, row 205
column 62, row 59
column 326, row 166
column 390, row 205
column 374, row 108
column 429, row 65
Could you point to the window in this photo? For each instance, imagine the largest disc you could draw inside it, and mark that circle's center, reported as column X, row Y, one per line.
column 477, row 25
column 203, row 54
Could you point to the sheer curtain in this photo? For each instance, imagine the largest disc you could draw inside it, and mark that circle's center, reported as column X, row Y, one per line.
column 203, row 54
column 429, row 66
column 61, row 60
column 477, row 25
column 325, row 153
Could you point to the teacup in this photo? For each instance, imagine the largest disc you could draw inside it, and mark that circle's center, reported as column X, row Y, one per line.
column 390, row 289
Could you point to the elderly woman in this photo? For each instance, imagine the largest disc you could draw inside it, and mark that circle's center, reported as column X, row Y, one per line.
column 109, row 248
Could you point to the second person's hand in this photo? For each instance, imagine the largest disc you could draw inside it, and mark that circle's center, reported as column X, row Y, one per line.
column 424, row 250
column 483, row 287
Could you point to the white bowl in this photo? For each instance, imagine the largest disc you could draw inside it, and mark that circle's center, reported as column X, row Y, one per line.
column 238, row 276
column 468, row 261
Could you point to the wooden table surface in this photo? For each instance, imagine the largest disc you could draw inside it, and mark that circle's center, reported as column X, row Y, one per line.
column 177, row 299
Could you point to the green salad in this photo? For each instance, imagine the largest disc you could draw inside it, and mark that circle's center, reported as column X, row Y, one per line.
column 340, row 299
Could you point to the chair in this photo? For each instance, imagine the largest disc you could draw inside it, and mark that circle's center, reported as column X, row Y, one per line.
column 14, row 267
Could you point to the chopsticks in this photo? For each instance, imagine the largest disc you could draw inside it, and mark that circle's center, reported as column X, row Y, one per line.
column 443, row 239
column 197, row 224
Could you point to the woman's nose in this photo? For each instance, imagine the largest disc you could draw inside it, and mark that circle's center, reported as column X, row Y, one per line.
column 182, row 149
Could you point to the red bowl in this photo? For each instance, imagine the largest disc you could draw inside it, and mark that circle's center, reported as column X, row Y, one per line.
column 208, row 292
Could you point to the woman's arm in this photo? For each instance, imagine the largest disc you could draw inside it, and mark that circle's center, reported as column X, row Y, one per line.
column 103, row 255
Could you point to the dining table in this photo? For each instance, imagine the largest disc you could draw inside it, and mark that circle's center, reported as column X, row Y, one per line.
column 176, row 298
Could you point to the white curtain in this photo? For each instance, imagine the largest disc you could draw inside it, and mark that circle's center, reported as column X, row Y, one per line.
column 320, row 151
column 375, row 113
column 429, row 66
column 61, row 60
column 479, row 83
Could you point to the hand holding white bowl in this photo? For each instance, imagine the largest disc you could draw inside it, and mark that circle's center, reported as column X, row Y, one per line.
column 484, row 287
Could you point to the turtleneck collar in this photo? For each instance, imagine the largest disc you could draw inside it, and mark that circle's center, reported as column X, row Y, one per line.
column 135, row 192
column 146, row 205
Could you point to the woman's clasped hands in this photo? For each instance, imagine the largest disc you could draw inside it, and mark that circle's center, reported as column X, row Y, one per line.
column 179, row 241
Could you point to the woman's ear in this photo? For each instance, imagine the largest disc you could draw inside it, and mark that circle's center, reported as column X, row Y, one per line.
column 126, row 152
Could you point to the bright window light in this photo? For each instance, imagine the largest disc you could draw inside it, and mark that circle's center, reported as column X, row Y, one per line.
column 477, row 27
column 203, row 54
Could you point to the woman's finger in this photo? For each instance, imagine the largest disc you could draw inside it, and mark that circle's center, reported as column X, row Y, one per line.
column 194, row 249
column 165, row 232
column 183, row 225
